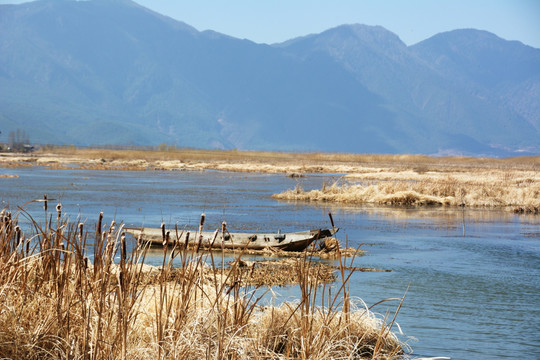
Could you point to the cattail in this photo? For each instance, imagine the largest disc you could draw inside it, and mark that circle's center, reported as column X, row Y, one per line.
column 109, row 238
column 27, row 246
column 139, row 240
column 187, row 239
column 45, row 202
column 123, row 252
column 198, row 244
column 203, row 217
column 100, row 220
column 80, row 226
column 201, row 226
column 8, row 222
column 17, row 236
column 167, row 239
column 112, row 227
column 223, row 230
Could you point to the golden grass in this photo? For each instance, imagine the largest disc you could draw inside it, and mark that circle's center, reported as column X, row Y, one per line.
column 56, row 304
column 518, row 190
column 260, row 161
column 406, row 180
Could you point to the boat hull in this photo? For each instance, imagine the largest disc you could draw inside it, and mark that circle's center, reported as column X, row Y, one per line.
column 296, row 241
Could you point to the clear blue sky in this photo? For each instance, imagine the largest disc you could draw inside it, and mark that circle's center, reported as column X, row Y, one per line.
column 270, row 21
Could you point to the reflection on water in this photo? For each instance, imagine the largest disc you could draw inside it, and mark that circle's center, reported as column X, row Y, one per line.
column 473, row 274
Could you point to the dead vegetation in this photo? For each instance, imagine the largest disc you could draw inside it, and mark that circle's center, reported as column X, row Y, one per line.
column 517, row 190
column 277, row 267
column 60, row 300
column 401, row 180
column 294, row 164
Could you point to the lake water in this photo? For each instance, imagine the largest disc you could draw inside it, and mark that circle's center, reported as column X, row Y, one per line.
column 473, row 276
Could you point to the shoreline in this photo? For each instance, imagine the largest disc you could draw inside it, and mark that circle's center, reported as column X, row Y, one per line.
column 397, row 180
column 258, row 161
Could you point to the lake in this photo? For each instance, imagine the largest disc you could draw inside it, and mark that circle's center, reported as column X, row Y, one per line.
column 473, row 275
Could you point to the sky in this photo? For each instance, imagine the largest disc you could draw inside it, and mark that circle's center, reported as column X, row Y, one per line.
column 272, row 21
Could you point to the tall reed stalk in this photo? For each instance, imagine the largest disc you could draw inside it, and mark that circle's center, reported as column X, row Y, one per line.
column 61, row 300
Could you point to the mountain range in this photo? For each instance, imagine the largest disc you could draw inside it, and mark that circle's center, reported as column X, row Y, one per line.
column 113, row 72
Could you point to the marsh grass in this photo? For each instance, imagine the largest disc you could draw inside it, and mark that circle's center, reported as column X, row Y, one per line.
column 517, row 190
column 58, row 301
column 294, row 163
column 402, row 180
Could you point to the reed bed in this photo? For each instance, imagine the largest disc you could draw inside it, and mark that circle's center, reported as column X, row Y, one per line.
column 60, row 301
column 172, row 158
column 518, row 190
column 294, row 164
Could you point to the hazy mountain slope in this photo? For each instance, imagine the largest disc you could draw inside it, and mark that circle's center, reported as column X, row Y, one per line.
column 505, row 73
column 113, row 72
column 427, row 95
column 94, row 63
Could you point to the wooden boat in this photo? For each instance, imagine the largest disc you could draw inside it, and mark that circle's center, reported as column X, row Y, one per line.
column 294, row 241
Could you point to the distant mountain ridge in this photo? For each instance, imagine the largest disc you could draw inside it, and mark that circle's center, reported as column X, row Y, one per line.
column 113, row 72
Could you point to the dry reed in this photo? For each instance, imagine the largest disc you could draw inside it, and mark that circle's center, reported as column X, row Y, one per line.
column 518, row 190
column 57, row 304
column 380, row 179
column 255, row 161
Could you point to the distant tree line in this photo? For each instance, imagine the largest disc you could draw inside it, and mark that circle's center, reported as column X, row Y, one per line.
column 19, row 141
